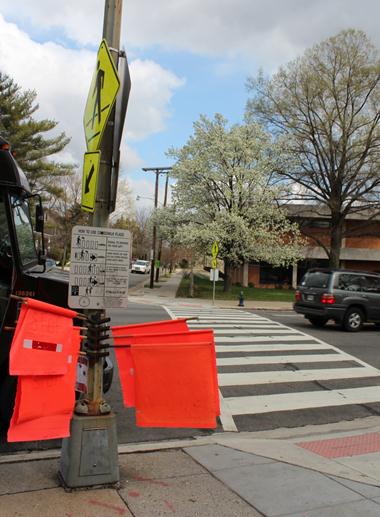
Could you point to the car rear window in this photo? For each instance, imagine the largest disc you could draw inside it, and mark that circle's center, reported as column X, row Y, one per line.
column 316, row 279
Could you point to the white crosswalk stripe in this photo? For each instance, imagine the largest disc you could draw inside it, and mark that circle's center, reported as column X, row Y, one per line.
column 255, row 354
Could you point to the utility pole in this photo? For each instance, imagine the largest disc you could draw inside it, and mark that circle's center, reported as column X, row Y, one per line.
column 160, row 243
column 90, row 457
column 157, row 171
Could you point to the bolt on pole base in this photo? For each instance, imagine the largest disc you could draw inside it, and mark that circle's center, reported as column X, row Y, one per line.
column 90, row 456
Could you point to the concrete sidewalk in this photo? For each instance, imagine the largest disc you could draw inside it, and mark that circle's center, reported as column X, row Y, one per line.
column 330, row 470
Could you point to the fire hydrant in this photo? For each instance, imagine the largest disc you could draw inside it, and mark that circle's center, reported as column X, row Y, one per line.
column 241, row 299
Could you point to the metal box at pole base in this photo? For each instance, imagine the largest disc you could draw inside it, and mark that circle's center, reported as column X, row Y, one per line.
column 90, row 456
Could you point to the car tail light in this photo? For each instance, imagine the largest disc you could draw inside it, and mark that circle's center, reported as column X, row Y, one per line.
column 298, row 296
column 328, row 299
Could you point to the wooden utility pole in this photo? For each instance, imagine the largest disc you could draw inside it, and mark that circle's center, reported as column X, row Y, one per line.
column 157, row 171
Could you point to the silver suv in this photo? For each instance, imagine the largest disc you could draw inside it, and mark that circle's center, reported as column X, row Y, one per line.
column 350, row 298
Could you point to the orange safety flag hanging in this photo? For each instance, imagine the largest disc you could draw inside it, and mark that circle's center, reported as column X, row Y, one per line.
column 175, row 385
column 44, row 403
column 42, row 339
column 123, row 356
column 126, row 365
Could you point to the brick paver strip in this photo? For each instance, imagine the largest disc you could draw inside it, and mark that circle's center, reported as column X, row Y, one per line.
column 346, row 446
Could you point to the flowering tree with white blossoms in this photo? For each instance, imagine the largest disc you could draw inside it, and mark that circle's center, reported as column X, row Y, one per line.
column 223, row 193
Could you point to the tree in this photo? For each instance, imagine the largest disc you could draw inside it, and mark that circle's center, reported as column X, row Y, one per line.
column 26, row 136
column 223, row 193
column 62, row 216
column 324, row 110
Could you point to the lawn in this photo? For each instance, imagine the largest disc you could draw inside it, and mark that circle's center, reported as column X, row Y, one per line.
column 203, row 289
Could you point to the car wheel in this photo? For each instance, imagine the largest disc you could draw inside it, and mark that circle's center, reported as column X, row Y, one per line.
column 317, row 321
column 353, row 320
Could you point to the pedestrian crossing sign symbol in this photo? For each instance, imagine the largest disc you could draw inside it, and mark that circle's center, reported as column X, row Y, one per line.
column 91, row 164
column 215, row 250
column 101, row 97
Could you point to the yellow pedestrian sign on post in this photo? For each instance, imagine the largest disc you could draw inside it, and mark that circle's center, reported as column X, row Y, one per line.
column 91, row 165
column 101, row 97
column 215, row 250
column 214, row 263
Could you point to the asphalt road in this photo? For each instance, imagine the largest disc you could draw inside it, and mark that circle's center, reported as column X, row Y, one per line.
column 364, row 345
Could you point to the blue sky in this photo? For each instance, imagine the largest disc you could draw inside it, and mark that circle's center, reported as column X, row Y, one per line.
column 187, row 57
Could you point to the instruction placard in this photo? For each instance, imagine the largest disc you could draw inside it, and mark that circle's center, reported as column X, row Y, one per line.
column 99, row 268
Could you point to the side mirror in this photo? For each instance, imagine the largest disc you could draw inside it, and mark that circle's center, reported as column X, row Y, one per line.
column 39, row 218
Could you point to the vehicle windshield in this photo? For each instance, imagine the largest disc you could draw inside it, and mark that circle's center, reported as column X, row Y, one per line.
column 316, row 279
column 24, row 230
column 141, row 262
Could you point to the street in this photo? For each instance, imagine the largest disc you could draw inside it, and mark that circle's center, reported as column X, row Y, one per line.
column 364, row 345
column 274, row 370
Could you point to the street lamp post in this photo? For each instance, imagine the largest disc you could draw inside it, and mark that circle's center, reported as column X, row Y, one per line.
column 157, row 171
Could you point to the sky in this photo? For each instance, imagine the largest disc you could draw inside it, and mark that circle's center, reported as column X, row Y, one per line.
column 186, row 58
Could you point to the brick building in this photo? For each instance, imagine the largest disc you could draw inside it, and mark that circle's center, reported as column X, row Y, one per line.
column 360, row 248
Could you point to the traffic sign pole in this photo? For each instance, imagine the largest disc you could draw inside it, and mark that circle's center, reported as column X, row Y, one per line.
column 214, row 253
column 89, row 457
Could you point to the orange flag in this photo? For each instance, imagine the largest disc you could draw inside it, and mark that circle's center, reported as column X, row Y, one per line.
column 126, row 365
column 175, row 385
column 44, row 403
column 42, row 339
column 123, row 356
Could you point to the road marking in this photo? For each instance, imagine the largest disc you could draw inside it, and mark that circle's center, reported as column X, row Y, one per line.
column 281, row 359
column 253, row 378
column 238, row 332
column 301, row 400
column 263, row 339
column 249, row 332
column 226, row 418
column 269, row 348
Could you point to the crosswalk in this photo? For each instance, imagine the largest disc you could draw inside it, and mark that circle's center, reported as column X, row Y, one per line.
column 271, row 375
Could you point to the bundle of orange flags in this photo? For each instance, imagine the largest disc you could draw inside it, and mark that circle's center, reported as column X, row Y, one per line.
column 44, row 354
column 170, row 377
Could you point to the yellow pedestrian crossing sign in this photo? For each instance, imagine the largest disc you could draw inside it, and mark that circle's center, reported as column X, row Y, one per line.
column 214, row 263
column 101, row 97
column 215, row 249
column 91, row 165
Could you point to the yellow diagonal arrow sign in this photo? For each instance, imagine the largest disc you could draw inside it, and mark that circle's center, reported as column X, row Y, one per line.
column 101, row 97
column 91, row 165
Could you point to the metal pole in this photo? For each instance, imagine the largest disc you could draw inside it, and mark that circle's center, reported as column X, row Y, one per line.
column 160, row 243
column 93, row 441
column 213, row 286
column 100, row 216
column 151, row 284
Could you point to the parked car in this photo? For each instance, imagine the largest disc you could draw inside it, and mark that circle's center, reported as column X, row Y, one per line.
column 141, row 266
column 348, row 297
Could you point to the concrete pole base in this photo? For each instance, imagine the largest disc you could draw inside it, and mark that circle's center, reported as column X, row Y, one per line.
column 90, row 456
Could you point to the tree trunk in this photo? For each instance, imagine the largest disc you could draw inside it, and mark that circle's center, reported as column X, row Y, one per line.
column 337, row 226
column 227, row 276
column 64, row 256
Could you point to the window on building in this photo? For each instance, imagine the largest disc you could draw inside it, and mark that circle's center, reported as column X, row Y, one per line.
column 275, row 275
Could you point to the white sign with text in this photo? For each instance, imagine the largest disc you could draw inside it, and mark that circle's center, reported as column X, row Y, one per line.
column 99, row 268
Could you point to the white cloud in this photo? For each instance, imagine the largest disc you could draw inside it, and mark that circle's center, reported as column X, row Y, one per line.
column 266, row 32
column 61, row 77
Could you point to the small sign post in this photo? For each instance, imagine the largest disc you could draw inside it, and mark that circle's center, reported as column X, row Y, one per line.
column 214, row 263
